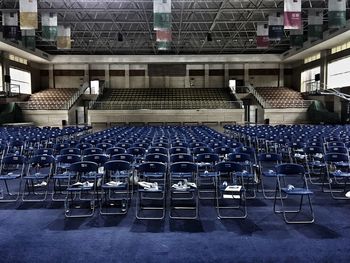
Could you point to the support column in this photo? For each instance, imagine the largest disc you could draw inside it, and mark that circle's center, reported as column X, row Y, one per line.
column 86, row 73
column 51, row 76
column 146, row 77
column 107, row 77
column 281, row 76
column 246, row 74
column 206, row 76
column 187, row 77
column 167, row 82
column 324, row 68
column 127, row 76
column 226, row 74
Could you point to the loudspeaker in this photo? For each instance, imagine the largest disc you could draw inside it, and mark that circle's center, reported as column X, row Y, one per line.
column 7, row 79
column 120, row 37
column 209, row 38
column 317, row 77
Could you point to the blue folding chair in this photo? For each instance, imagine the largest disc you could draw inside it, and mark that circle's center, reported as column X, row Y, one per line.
column 151, row 189
column 181, row 157
column 62, row 178
column 230, row 191
column 36, row 179
column 207, row 176
column 11, row 169
column 82, row 190
column 183, row 190
column 115, row 188
column 294, row 185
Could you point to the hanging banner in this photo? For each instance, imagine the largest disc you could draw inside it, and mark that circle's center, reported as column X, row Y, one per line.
column 162, row 14
column 28, row 38
column 262, row 36
column 163, row 35
column 49, row 26
column 276, row 26
column 336, row 13
column 10, row 26
column 28, row 11
column 292, row 14
column 315, row 24
column 63, row 37
column 296, row 38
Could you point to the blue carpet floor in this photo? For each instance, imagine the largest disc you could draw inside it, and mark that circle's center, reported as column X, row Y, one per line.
column 40, row 233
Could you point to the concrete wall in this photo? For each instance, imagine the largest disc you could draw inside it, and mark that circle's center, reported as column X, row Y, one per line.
column 286, row 116
column 166, row 116
column 45, row 117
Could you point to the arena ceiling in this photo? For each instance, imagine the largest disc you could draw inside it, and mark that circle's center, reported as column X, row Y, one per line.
column 95, row 25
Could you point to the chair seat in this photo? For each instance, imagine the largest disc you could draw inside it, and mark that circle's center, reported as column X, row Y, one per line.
column 296, row 191
column 244, row 174
column 317, row 164
column 39, row 176
column 152, row 190
column 208, row 174
column 10, row 176
column 342, row 164
column 63, row 176
column 122, row 186
column 340, row 174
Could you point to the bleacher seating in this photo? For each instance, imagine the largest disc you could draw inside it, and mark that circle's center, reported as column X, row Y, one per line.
column 161, row 98
column 49, row 99
column 281, row 97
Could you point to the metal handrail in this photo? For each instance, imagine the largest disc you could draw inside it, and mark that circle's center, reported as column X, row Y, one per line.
column 156, row 105
column 76, row 95
column 258, row 97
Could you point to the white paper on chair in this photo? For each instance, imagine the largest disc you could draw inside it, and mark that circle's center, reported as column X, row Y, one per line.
column 233, row 188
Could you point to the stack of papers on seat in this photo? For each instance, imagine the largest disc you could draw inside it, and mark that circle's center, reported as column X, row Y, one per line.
column 149, row 186
column 232, row 189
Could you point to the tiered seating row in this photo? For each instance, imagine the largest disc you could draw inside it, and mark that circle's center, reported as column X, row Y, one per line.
column 50, row 99
column 281, row 97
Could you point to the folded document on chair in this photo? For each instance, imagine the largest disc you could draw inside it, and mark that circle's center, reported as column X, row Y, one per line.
column 233, row 188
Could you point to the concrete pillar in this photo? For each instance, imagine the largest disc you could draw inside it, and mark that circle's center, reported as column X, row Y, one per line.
column 226, row 74
column 146, row 77
column 107, row 77
column 281, row 76
column 206, row 75
column 187, row 77
column 51, row 76
column 127, row 76
column 167, row 82
column 246, row 74
column 324, row 68
column 86, row 73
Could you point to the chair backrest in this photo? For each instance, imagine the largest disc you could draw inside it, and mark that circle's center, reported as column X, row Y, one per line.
column 197, row 144
column 42, row 160
column 222, row 150
column 181, row 157
column 123, row 157
column 100, row 159
column 68, row 158
column 183, row 167
column 136, row 151
column 70, row 151
column 337, row 149
column 176, row 150
column 179, row 144
column 336, row 157
column 207, row 158
column 156, row 157
column 117, row 165
column 313, row 150
column 14, row 159
column 115, row 150
column 290, row 169
column 239, row 157
column 160, row 144
column 155, row 149
column 104, row 146
column 83, row 146
column 269, row 157
column 89, row 151
column 201, row 150
column 152, row 167
column 123, row 145
column 44, row 151
column 83, row 167
column 228, row 167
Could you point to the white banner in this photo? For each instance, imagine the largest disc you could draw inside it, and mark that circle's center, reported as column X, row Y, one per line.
column 49, row 19
column 336, row 5
column 161, row 6
column 9, row 19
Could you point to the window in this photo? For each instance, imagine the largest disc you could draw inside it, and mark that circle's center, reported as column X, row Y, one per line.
column 341, row 47
column 20, row 81
column 339, row 73
column 308, row 82
column 312, row 58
